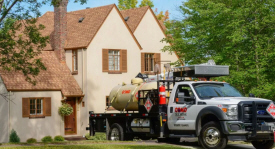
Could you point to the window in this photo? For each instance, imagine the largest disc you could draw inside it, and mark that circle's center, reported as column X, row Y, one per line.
column 149, row 62
column 183, row 91
column 212, row 90
column 114, row 60
column 74, row 60
column 36, row 107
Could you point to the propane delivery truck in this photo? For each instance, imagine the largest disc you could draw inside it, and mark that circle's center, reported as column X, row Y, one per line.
column 168, row 110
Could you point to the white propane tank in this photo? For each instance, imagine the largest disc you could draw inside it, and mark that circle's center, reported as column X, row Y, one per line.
column 122, row 94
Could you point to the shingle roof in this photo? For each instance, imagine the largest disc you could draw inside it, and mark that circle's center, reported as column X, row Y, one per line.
column 135, row 16
column 56, row 77
column 78, row 34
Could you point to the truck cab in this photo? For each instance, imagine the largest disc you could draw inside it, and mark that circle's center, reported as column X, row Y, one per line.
column 216, row 112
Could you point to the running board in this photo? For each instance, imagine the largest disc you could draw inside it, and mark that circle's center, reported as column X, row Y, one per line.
column 182, row 136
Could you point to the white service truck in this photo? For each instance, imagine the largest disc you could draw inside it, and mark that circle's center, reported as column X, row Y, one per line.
column 214, row 112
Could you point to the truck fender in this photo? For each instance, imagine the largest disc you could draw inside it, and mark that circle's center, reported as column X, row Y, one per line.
column 220, row 115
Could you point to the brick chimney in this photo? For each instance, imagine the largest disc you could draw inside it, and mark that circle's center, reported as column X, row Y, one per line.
column 60, row 29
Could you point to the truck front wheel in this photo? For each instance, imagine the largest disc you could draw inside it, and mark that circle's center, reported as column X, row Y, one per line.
column 266, row 144
column 211, row 136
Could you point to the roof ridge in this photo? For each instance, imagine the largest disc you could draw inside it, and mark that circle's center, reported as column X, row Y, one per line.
column 91, row 8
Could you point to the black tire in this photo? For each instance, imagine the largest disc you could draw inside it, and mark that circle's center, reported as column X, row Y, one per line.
column 211, row 136
column 265, row 144
column 116, row 133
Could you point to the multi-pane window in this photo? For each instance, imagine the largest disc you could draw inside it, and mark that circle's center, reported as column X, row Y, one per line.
column 36, row 106
column 75, row 67
column 149, row 62
column 114, row 60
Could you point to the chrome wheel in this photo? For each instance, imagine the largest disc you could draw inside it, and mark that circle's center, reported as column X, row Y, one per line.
column 212, row 136
column 115, row 134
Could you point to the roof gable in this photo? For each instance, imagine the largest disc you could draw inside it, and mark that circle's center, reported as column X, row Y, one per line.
column 135, row 16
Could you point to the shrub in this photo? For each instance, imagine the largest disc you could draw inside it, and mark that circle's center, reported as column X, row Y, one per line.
column 97, row 137
column 31, row 140
column 47, row 139
column 14, row 137
column 59, row 138
column 65, row 109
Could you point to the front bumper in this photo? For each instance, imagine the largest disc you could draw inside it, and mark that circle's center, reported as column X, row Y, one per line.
column 239, row 131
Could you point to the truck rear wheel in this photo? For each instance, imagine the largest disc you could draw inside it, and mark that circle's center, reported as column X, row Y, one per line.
column 266, row 144
column 116, row 133
column 211, row 136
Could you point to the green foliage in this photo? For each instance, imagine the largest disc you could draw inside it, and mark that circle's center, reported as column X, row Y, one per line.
column 47, row 139
column 65, row 109
column 59, row 138
column 97, row 137
column 127, row 4
column 14, row 138
column 31, row 140
column 146, row 3
column 235, row 33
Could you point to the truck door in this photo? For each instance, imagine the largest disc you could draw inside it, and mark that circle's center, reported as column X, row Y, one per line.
column 182, row 116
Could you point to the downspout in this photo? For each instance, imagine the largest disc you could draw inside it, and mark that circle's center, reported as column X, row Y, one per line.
column 83, row 71
column 9, row 114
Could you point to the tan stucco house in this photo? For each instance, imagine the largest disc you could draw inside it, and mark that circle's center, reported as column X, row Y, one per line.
column 90, row 52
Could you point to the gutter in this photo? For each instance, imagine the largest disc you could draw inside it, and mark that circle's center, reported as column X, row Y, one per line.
column 9, row 126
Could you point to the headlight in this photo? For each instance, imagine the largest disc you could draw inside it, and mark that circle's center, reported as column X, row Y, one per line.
column 231, row 111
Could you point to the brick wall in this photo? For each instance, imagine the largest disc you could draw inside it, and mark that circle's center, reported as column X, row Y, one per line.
column 60, row 29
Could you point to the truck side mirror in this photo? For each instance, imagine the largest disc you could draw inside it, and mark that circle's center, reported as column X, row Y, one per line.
column 251, row 95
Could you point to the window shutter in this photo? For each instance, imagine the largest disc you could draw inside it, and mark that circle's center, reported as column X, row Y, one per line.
column 124, row 60
column 142, row 62
column 105, row 60
column 25, row 107
column 47, row 106
column 157, row 58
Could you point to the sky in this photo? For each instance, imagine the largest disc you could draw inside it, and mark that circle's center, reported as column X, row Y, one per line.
column 162, row 5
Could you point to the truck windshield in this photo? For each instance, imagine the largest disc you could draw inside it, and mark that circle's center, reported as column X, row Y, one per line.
column 210, row 90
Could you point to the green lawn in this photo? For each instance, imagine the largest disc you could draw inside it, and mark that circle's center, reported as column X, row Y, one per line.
column 99, row 146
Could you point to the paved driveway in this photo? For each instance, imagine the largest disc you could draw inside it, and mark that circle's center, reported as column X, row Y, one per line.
column 194, row 145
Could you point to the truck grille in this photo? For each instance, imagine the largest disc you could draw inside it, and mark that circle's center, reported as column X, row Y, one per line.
column 246, row 112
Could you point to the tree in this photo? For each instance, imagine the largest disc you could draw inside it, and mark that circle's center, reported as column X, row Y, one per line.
column 127, row 4
column 146, row 3
column 20, row 38
column 235, row 33
column 162, row 17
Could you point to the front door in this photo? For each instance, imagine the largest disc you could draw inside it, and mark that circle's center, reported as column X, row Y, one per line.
column 70, row 121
